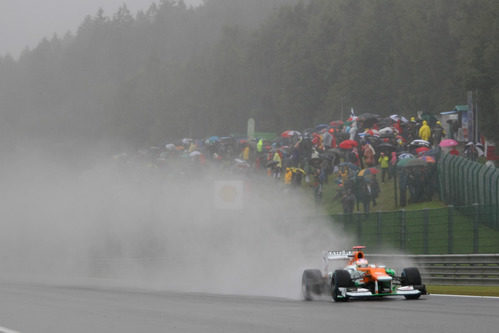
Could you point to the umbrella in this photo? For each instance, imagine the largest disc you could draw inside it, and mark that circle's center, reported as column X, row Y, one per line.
column 186, row 141
column 404, row 156
column 368, row 171
column 420, row 143
column 397, row 117
column 422, row 150
column 336, row 123
column 170, row 146
column 290, row 133
column 372, row 132
column 385, row 146
column 411, row 162
column 348, row 144
column 448, row 143
column 428, row 159
column 386, row 131
column 213, row 139
column 194, row 153
column 321, row 127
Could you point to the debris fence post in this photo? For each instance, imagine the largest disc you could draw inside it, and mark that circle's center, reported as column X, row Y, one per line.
column 450, row 229
column 403, row 231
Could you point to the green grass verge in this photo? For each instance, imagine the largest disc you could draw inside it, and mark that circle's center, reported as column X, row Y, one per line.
column 382, row 227
column 464, row 290
column 385, row 201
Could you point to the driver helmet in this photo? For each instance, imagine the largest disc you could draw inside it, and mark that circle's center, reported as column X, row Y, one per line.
column 361, row 263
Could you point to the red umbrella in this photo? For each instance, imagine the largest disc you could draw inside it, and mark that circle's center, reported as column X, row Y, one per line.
column 290, row 133
column 421, row 150
column 336, row 123
column 348, row 144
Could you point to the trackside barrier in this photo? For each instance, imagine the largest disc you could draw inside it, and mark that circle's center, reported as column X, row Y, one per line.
column 453, row 269
column 465, row 183
column 448, row 230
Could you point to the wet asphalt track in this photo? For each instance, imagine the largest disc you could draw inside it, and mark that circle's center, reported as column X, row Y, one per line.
column 43, row 309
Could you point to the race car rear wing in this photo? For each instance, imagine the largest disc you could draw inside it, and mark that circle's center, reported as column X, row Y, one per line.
column 338, row 255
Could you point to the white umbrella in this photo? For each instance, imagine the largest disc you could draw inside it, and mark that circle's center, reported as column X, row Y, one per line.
column 194, row 153
column 396, row 117
column 420, row 142
column 186, row 141
column 386, row 130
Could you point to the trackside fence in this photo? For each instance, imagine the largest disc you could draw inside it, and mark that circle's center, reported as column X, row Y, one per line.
column 450, row 230
column 456, row 269
column 464, row 183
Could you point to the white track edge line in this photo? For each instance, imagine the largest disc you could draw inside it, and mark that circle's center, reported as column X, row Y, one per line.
column 6, row 330
column 465, row 296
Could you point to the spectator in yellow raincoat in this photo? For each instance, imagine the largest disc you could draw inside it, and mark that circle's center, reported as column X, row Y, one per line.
column 276, row 170
column 245, row 153
column 288, row 176
column 425, row 131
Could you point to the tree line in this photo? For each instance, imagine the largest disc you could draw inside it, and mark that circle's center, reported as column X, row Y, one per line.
column 174, row 71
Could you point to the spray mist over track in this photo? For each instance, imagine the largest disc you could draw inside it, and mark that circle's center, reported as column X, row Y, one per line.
column 156, row 228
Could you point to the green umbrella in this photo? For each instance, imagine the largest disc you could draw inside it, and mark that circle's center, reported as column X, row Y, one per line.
column 411, row 162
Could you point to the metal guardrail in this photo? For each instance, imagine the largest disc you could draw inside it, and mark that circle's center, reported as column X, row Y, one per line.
column 448, row 269
column 452, row 269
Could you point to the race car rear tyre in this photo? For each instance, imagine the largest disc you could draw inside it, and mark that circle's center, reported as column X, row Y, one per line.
column 341, row 279
column 411, row 277
column 311, row 283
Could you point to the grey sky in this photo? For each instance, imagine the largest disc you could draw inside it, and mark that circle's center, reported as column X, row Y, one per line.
column 25, row 22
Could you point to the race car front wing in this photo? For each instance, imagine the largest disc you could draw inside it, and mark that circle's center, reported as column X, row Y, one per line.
column 363, row 292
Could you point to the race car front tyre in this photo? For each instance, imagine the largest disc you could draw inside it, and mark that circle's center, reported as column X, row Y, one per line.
column 341, row 279
column 311, row 283
column 411, row 277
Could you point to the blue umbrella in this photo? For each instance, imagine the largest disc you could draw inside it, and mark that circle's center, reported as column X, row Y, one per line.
column 213, row 139
column 406, row 155
column 321, row 127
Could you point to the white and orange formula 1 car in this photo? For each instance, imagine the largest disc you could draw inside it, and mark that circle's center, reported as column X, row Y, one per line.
column 359, row 279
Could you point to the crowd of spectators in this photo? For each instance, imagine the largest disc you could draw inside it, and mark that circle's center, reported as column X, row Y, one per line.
column 346, row 154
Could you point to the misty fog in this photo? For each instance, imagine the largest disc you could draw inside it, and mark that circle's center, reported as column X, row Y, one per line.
column 120, row 224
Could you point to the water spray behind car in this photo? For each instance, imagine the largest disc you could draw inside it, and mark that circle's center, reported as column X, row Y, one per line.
column 126, row 224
